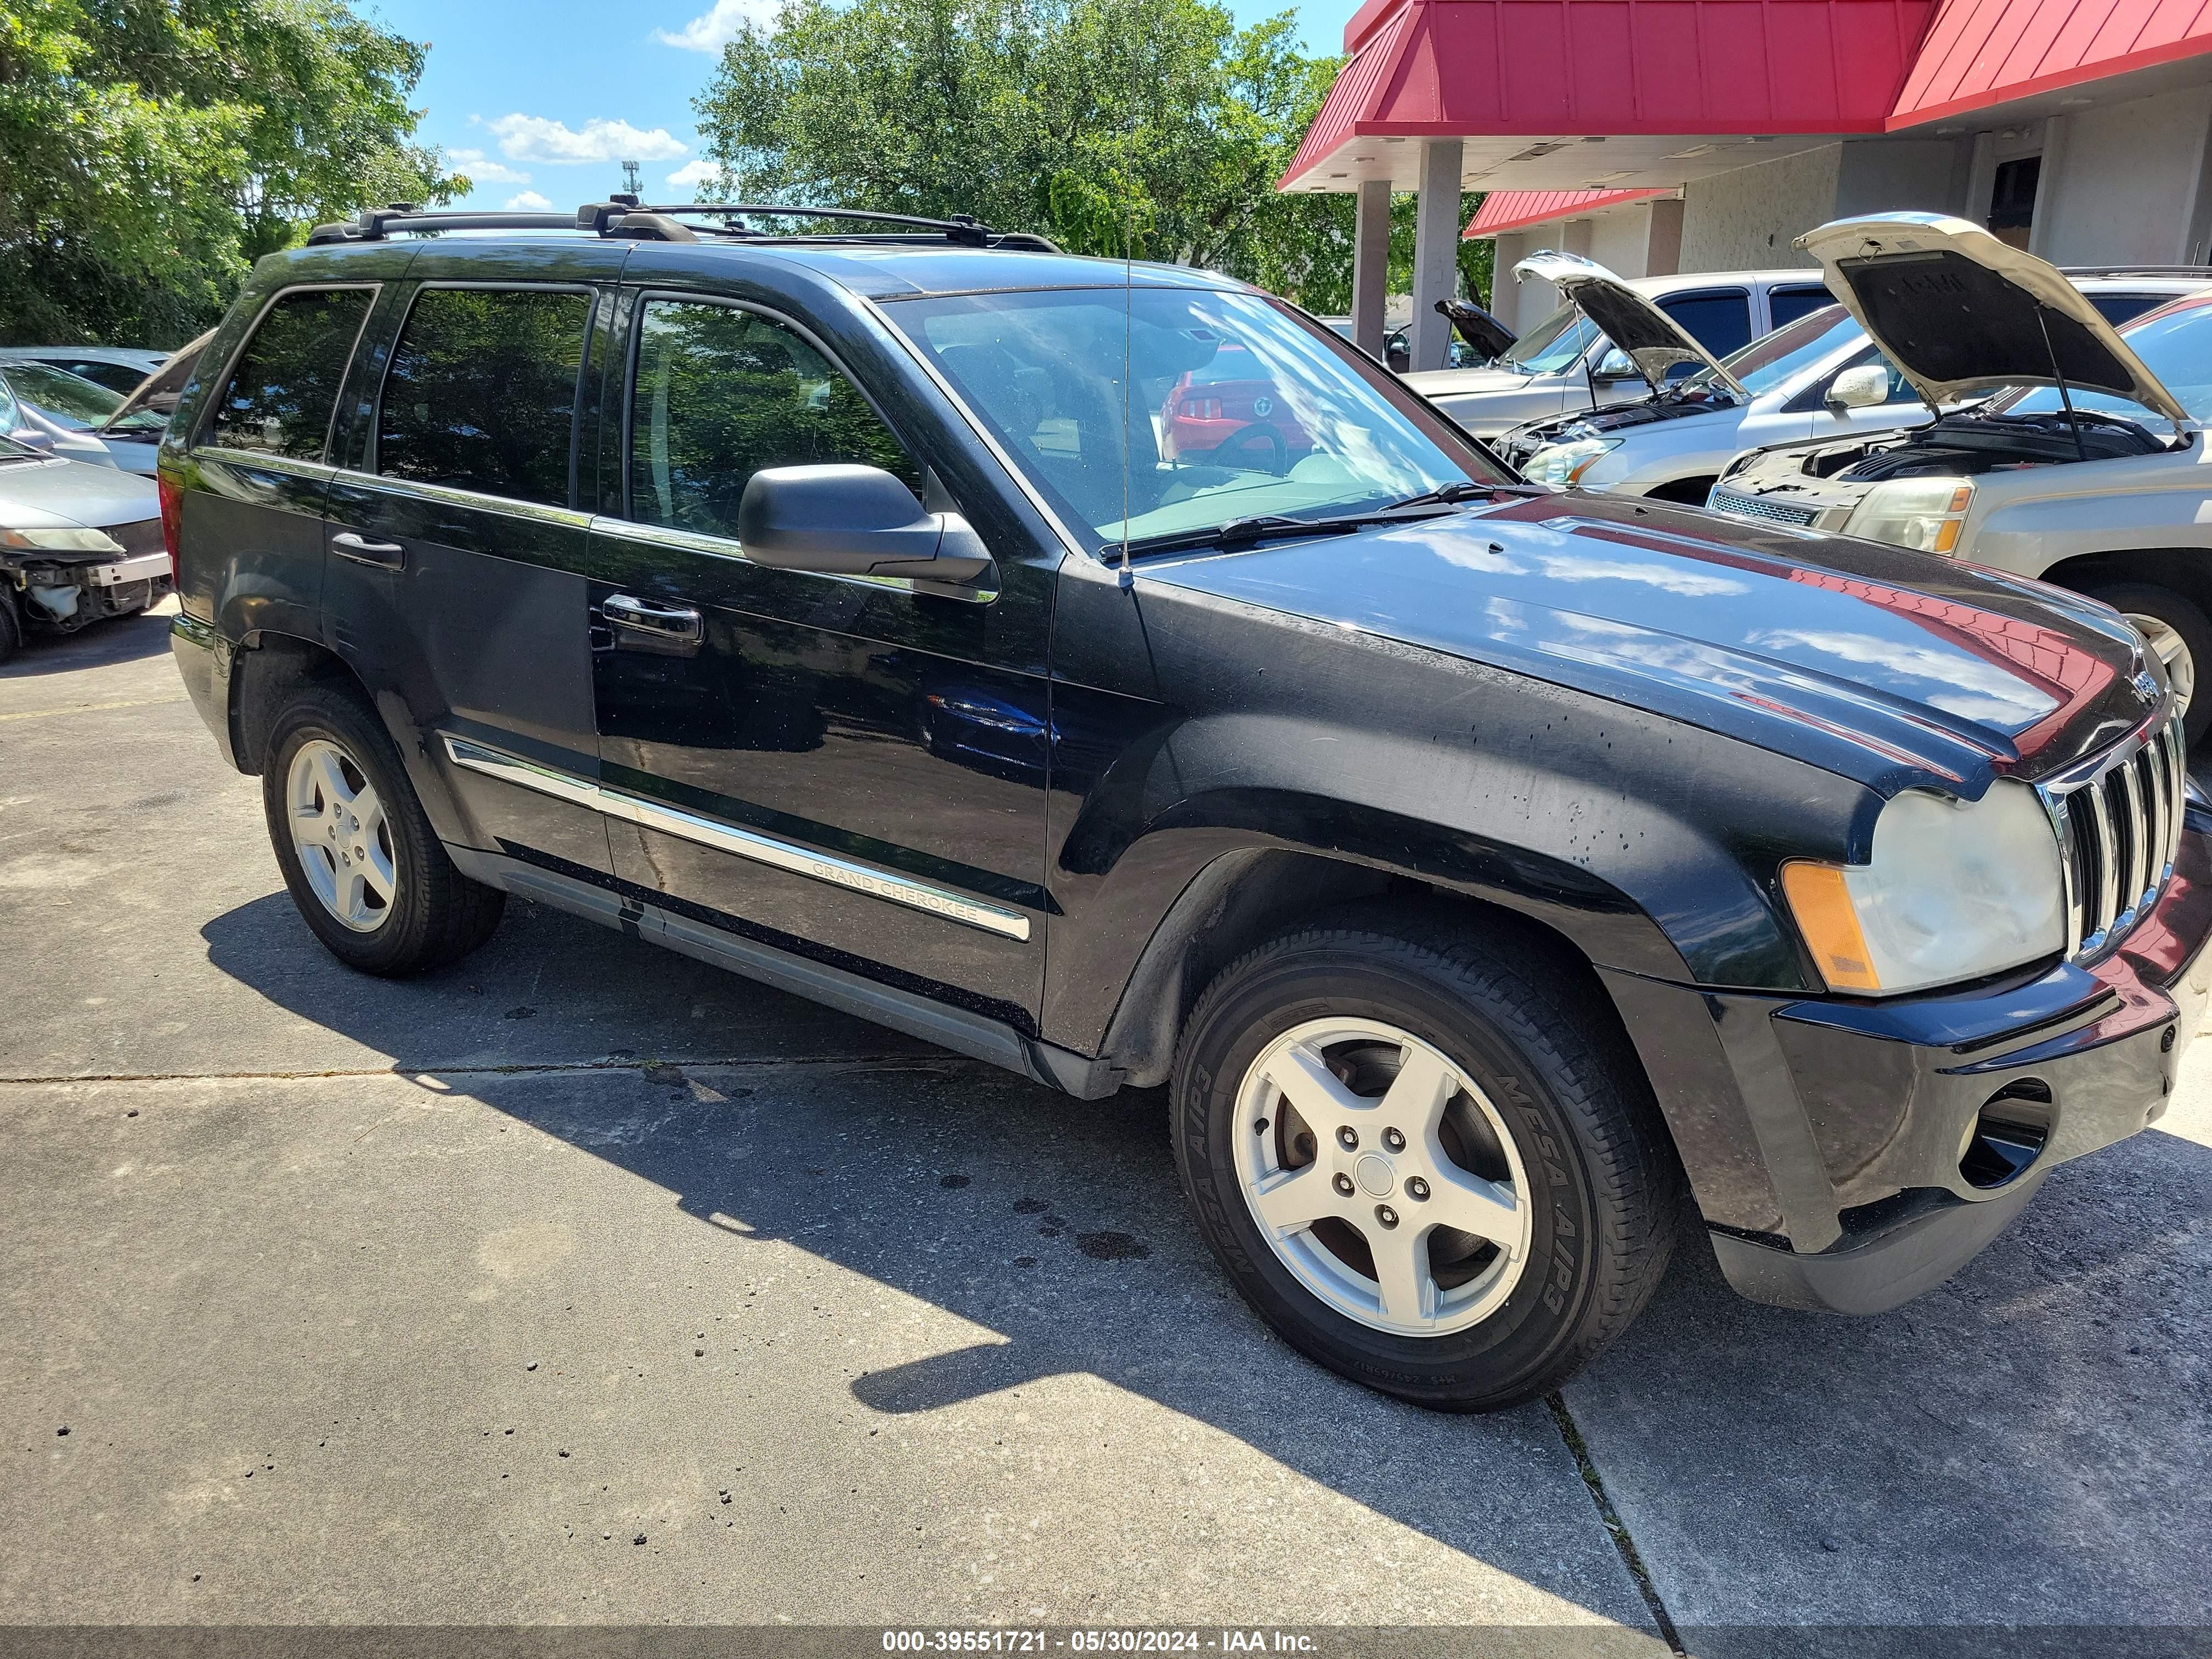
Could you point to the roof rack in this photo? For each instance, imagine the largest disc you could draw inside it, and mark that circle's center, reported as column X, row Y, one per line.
column 623, row 216
column 2200, row 271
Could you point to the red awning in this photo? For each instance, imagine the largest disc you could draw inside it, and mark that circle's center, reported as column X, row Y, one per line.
column 1585, row 69
column 1984, row 52
column 1515, row 210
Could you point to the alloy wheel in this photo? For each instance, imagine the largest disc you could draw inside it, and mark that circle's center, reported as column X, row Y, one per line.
column 1383, row 1176
column 342, row 836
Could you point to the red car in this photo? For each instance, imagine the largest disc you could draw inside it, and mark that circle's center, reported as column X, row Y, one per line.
column 1229, row 411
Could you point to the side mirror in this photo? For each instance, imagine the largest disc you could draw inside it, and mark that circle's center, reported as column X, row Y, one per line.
column 845, row 521
column 1616, row 365
column 1862, row 387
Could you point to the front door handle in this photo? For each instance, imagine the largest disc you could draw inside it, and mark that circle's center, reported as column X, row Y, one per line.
column 385, row 556
column 674, row 629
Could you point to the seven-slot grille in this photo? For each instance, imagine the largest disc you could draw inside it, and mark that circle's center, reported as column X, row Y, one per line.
column 2118, row 833
column 1756, row 506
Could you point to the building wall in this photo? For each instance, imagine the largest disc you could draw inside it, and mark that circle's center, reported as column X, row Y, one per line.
column 2127, row 180
column 1877, row 175
column 1744, row 220
column 1620, row 240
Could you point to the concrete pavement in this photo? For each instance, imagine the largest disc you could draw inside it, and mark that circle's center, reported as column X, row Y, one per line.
column 323, row 1276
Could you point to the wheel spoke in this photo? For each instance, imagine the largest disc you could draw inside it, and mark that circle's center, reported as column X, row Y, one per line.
column 1485, row 1208
column 1295, row 1198
column 1401, row 1271
column 1418, row 1094
column 376, row 873
column 332, row 776
column 1308, row 1083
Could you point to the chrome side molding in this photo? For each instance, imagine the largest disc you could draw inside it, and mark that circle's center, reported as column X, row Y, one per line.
column 870, row 879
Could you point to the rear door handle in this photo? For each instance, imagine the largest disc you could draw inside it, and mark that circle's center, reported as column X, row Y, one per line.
column 678, row 623
column 385, row 556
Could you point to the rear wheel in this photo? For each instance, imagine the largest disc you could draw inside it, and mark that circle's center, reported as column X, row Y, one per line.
column 362, row 862
column 11, row 627
column 2179, row 634
column 1427, row 1163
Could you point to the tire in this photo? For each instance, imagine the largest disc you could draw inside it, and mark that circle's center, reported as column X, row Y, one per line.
column 2185, row 625
column 11, row 627
column 1560, row 1108
column 326, row 748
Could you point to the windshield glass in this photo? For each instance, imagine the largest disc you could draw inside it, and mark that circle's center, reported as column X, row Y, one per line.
column 70, row 399
column 2175, row 344
column 1776, row 359
column 1234, row 408
column 1553, row 344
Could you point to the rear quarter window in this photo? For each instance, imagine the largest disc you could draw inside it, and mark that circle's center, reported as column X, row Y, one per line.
column 285, row 384
column 1720, row 322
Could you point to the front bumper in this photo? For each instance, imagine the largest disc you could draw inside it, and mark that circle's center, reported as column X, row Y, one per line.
column 1848, row 1153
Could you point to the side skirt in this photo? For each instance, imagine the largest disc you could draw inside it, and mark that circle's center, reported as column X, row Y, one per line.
column 962, row 1030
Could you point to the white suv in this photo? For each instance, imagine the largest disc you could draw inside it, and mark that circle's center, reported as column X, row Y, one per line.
column 1567, row 362
column 2086, row 467
column 1819, row 377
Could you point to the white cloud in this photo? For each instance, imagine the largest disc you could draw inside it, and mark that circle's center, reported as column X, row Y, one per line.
column 692, row 174
column 482, row 170
column 528, row 202
column 713, row 30
column 535, row 138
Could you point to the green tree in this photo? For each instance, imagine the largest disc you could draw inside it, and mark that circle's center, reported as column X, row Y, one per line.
column 151, row 149
column 1155, row 128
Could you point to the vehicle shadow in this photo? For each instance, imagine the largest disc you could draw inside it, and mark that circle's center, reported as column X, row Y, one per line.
column 98, row 645
column 1999, row 1420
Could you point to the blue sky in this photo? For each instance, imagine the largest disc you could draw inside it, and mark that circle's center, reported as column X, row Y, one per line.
column 539, row 100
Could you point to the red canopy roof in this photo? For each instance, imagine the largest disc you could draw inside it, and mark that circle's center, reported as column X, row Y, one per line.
column 1980, row 52
column 1511, row 209
column 1534, row 86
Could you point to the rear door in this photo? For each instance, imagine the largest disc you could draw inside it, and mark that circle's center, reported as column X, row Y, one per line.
column 262, row 458
column 456, row 577
column 845, row 767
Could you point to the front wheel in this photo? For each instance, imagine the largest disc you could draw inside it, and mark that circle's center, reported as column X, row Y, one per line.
column 2179, row 636
column 1428, row 1163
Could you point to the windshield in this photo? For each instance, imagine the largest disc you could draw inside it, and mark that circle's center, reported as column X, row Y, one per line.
column 2175, row 344
column 1234, row 408
column 1774, row 360
column 70, row 399
column 1553, row 344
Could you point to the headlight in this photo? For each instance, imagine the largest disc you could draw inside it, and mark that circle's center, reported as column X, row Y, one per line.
column 1955, row 890
column 1918, row 513
column 1561, row 465
column 61, row 538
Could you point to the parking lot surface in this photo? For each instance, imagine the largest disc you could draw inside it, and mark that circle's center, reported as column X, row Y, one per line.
column 581, row 1284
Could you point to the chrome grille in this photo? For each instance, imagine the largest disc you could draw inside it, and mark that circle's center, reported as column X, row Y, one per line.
column 1756, row 506
column 2119, row 828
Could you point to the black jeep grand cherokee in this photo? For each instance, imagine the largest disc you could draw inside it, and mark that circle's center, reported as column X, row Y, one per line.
column 1475, row 863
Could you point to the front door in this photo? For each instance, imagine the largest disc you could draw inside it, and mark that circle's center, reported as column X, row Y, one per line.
column 456, row 574
column 840, row 767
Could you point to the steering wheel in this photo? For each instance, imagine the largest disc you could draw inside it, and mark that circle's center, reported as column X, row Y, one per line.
column 1279, row 447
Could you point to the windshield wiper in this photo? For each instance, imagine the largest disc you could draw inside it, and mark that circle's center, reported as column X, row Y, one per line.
column 1450, row 495
column 1270, row 527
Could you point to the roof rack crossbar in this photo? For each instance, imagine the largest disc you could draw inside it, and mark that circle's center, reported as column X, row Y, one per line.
column 376, row 223
column 623, row 216
column 961, row 227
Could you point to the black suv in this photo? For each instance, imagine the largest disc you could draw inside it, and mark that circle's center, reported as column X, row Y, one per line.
column 1475, row 863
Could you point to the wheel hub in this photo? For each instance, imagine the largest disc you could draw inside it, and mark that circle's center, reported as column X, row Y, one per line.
column 1375, row 1175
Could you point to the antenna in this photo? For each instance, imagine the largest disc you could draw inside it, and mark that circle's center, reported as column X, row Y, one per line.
column 630, row 184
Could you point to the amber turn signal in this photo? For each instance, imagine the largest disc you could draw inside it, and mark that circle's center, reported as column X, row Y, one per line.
column 1821, row 903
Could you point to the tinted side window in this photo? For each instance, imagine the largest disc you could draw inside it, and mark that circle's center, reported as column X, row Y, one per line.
column 1785, row 306
column 2118, row 308
column 481, row 394
column 280, row 394
column 722, row 393
column 1719, row 322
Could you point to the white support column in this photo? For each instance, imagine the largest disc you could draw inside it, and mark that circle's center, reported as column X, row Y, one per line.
column 1370, row 265
column 1436, row 251
column 2043, row 229
column 1663, row 237
column 1981, row 178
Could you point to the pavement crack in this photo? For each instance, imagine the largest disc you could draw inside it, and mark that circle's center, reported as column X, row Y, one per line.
column 1615, row 1527
column 547, row 1068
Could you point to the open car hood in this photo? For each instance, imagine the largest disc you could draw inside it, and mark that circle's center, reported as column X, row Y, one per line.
column 1478, row 328
column 160, row 391
column 1960, row 311
column 1653, row 340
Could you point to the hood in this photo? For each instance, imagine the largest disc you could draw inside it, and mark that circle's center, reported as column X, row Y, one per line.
column 1896, row 669
column 1960, row 311
column 41, row 493
column 1477, row 327
column 1464, row 382
column 160, row 391
column 1655, row 341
